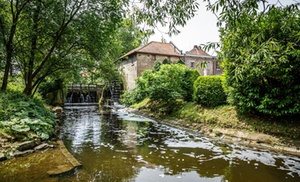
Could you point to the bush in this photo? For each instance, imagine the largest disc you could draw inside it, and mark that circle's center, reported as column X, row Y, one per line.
column 22, row 115
column 49, row 90
column 131, row 97
column 261, row 62
column 167, row 82
column 171, row 82
column 208, row 91
column 189, row 78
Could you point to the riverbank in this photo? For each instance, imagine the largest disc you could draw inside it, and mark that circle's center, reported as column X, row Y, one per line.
column 44, row 165
column 224, row 123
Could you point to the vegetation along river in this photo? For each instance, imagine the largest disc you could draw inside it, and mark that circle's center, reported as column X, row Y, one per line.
column 118, row 146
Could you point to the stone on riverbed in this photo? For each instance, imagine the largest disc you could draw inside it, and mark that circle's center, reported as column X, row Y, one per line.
column 42, row 146
column 25, row 145
column 57, row 109
column 60, row 170
column 22, row 153
column 2, row 157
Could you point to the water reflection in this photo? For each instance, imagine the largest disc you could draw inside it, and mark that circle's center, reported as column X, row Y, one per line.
column 119, row 146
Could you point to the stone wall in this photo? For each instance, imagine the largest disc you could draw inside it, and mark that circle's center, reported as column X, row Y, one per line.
column 137, row 63
column 147, row 61
column 210, row 66
column 129, row 70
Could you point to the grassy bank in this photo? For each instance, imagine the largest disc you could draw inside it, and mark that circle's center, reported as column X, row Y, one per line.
column 224, row 116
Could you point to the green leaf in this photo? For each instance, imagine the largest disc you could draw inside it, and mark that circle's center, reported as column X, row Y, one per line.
column 19, row 128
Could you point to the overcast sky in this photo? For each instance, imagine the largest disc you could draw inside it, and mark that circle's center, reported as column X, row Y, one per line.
column 199, row 30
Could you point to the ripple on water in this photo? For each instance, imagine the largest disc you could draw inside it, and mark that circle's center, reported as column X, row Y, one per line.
column 135, row 148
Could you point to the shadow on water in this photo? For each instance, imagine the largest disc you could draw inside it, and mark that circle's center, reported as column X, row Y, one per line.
column 119, row 146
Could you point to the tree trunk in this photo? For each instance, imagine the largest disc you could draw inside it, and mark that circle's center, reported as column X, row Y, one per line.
column 9, row 44
column 6, row 72
column 9, row 53
column 28, row 87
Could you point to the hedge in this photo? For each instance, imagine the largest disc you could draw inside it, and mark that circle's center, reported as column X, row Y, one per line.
column 208, row 91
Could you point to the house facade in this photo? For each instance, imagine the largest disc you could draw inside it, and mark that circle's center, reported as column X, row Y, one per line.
column 143, row 58
column 202, row 61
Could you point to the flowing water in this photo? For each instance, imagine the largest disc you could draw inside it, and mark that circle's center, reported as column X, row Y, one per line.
column 117, row 146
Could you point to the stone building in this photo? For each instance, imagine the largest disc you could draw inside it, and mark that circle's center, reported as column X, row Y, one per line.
column 136, row 61
column 202, row 61
column 133, row 63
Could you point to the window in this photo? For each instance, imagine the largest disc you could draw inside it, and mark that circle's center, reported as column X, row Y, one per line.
column 153, row 57
column 192, row 64
column 218, row 65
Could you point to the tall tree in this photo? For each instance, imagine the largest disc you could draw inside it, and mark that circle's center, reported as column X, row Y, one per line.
column 45, row 36
column 260, row 53
column 9, row 19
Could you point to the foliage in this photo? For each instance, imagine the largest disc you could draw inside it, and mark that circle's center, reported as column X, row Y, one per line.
column 165, row 12
column 49, row 90
column 169, row 83
column 131, row 97
column 21, row 115
column 16, row 83
column 189, row 78
column 260, row 53
column 156, row 66
column 208, row 91
column 161, row 108
column 180, row 62
column 166, row 61
column 203, row 118
column 50, row 36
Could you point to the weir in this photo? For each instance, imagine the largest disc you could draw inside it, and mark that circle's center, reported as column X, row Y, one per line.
column 91, row 93
column 83, row 93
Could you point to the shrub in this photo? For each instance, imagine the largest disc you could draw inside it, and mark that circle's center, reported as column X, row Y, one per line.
column 189, row 78
column 171, row 82
column 156, row 66
column 261, row 62
column 166, row 82
column 20, row 114
column 49, row 90
column 180, row 62
column 208, row 91
column 166, row 61
column 131, row 97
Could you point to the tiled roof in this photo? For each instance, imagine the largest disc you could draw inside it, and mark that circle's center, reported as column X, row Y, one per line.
column 198, row 51
column 158, row 48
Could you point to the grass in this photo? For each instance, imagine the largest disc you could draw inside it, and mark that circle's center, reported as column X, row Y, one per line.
column 225, row 116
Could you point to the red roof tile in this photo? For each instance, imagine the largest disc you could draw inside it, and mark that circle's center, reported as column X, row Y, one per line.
column 198, row 51
column 158, row 48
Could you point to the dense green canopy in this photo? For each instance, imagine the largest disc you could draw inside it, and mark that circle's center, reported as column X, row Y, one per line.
column 47, row 37
column 261, row 55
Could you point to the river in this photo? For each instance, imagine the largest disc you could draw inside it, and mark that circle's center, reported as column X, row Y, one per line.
column 116, row 146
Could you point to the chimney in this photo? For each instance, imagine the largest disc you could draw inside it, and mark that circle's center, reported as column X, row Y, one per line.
column 197, row 47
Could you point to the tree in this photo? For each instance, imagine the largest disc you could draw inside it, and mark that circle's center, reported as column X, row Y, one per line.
column 8, row 30
column 260, row 53
column 46, row 36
